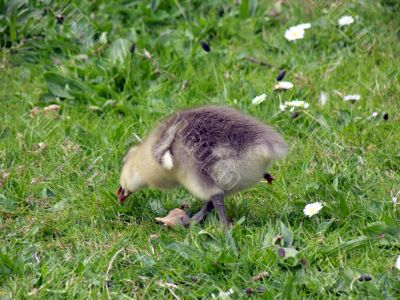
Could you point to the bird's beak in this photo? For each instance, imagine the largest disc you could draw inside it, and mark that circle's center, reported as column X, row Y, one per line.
column 122, row 194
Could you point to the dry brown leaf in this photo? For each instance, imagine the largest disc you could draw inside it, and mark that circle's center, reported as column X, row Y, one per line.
column 34, row 111
column 175, row 217
column 4, row 174
column 3, row 177
column 70, row 146
column 154, row 236
column 41, row 146
column 51, row 108
column 184, row 84
column 46, row 110
column 36, row 180
column 33, row 292
column 38, row 148
column 261, row 276
column 146, row 54
column 167, row 285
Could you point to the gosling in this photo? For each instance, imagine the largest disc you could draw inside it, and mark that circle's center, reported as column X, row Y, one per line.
column 211, row 151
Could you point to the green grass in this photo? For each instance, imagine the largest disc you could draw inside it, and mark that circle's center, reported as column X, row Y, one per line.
column 64, row 235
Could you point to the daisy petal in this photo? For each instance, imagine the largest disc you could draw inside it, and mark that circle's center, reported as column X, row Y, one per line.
column 354, row 97
column 312, row 209
column 283, row 85
column 294, row 33
column 259, row 99
column 345, row 20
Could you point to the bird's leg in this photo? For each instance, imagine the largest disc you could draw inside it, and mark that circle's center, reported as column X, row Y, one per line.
column 200, row 215
column 268, row 177
column 218, row 201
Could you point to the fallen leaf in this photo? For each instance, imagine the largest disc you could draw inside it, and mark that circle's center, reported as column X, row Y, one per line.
column 146, row 54
column 41, row 146
column 4, row 174
column 175, row 217
column 38, row 148
column 46, row 110
column 34, row 111
column 33, row 292
column 154, row 236
column 51, row 108
column 70, row 146
column 261, row 276
column 37, row 180
column 167, row 285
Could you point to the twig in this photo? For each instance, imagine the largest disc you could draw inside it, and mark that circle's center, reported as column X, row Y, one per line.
column 169, row 287
column 173, row 294
column 109, row 269
column 258, row 62
column 137, row 137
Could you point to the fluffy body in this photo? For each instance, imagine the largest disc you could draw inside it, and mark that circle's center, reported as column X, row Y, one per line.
column 208, row 150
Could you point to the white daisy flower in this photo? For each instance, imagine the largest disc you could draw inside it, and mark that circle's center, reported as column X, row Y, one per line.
column 398, row 262
column 294, row 33
column 354, row 97
column 259, row 99
column 293, row 104
column 298, row 103
column 312, row 209
column 345, row 20
column 283, row 85
column 323, row 98
column 223, row 295
column 282, row 107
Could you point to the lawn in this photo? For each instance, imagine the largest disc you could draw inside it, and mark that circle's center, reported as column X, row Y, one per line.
column 114, row 68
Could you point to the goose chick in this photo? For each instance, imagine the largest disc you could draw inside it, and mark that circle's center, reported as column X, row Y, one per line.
column 211, row 151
